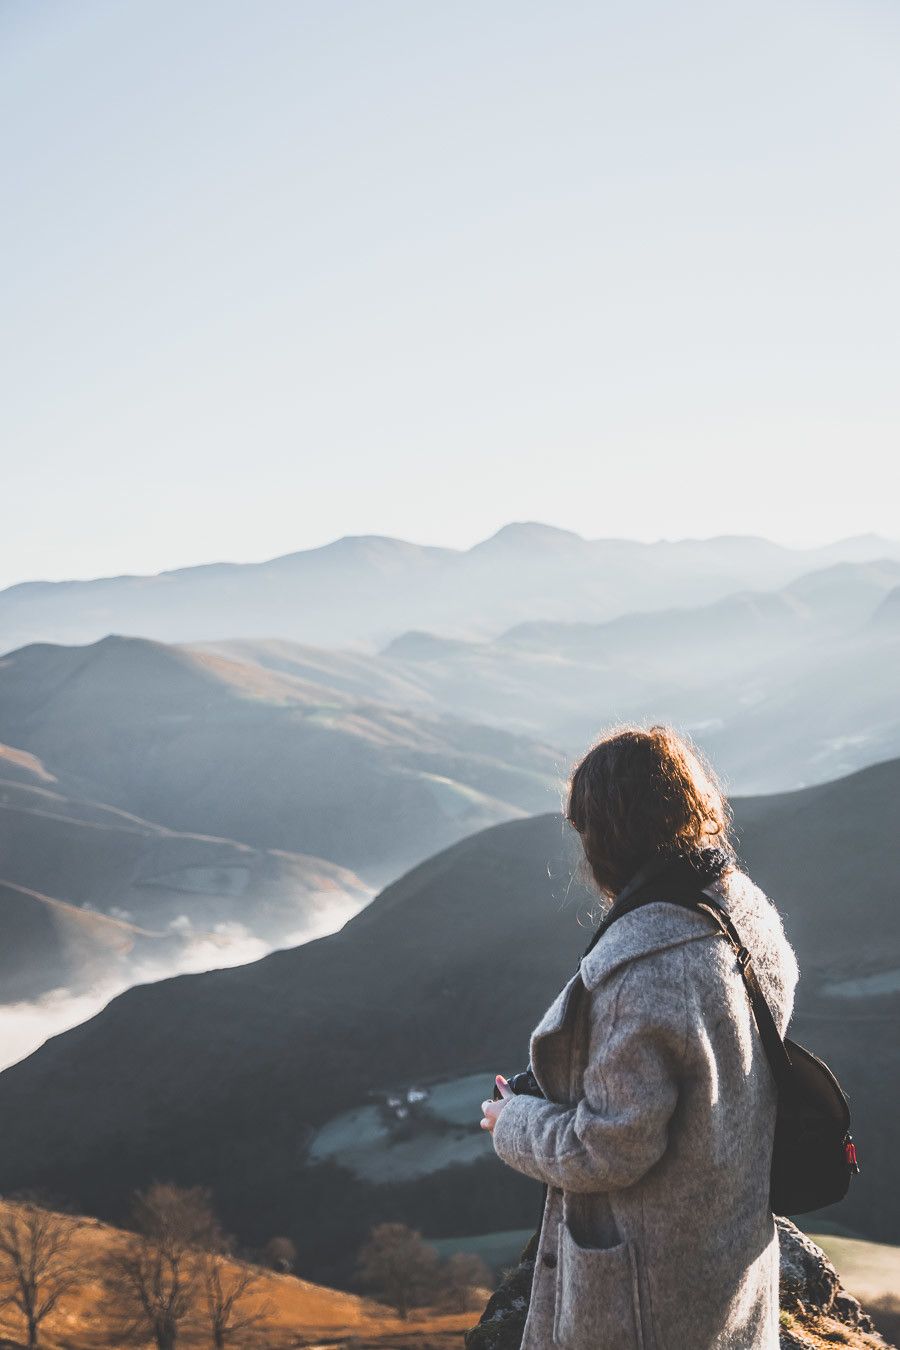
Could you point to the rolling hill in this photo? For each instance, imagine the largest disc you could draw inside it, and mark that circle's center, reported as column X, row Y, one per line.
column 783, row 688
column 343, row 1077
column 105, row 859
column 49, row 945
column 94, row 899
column 206, row 745
column 298, row 1313
column 370, row 588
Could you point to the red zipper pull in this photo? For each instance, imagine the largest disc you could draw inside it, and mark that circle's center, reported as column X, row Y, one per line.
column 850, row 1153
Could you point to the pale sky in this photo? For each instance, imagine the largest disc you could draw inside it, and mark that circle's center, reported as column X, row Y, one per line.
column 279, row 271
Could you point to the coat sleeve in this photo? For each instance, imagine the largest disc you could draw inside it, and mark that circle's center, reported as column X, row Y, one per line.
column 618, row 1128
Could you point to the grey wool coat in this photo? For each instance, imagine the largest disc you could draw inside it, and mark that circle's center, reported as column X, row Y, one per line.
column 656, row 1138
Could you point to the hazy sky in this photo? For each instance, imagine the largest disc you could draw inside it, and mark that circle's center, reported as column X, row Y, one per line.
column 279, row 271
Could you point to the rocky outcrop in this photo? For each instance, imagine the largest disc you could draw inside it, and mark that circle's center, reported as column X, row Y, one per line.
column 815, row 1311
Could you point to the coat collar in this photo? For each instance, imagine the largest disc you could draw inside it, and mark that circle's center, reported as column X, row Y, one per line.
column 652, row 928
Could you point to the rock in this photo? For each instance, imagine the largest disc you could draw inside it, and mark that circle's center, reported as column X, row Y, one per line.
column 808, row 1279
column 500, row 1327
column 810, row 1289
column 814, row 1307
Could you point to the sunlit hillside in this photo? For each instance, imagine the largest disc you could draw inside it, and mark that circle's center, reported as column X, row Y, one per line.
column 299, row 1313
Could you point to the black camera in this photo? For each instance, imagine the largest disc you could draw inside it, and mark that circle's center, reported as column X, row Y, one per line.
column 524, row 1082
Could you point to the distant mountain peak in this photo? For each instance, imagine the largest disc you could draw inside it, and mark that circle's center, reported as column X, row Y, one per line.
column 354, row 547
column 527, row 534
column 363, row 543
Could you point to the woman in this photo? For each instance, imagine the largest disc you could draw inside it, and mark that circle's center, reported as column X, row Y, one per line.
column 655, row 1132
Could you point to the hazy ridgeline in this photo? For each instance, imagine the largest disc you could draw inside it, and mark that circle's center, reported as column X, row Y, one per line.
column 369, row 589
column 237, row 758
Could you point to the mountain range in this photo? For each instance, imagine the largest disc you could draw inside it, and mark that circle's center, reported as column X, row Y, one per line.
column 369, row 589
column 782, row 688
column 253, row 749
column 205, row 745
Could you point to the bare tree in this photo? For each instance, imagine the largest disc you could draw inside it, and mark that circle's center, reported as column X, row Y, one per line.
column 229, row 1291
column 175, row 1213
column 155, row 1278
column 464, row 1277
column 39, row 1264
column 399, row 1267
column 281, row 1254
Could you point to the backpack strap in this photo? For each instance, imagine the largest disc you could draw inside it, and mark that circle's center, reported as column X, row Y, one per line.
column 694, row 899
column 773, row 1044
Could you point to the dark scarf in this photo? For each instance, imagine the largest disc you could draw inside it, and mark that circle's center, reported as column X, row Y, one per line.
column 668, row 873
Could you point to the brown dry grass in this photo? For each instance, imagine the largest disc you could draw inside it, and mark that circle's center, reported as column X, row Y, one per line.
column 305, row 1315
column 825, row 1333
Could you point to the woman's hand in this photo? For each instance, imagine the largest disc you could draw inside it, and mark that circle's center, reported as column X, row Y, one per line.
column 491, row 1109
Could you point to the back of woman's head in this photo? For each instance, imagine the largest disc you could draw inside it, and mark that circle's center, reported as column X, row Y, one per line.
column 639, row 792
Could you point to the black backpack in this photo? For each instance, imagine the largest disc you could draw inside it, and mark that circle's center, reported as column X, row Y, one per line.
column 814, row 1155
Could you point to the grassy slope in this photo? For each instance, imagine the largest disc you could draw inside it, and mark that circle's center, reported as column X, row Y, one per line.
column 304, row 1314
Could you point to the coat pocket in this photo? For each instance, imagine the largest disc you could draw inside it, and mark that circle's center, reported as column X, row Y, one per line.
column 597, row 1301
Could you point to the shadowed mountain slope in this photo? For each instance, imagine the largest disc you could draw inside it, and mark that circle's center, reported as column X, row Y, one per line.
column 244, row 1078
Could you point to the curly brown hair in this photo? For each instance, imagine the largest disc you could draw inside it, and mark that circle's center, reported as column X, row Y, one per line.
column 639, row 792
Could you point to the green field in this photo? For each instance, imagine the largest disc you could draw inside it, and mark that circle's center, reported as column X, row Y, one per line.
column 868, row 1270
column 441, row 1131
